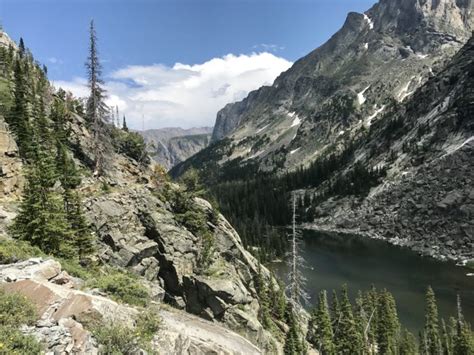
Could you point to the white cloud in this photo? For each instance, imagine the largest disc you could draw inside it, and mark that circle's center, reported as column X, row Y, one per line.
column 54, row 60
column 268, row 47
column 184, row 95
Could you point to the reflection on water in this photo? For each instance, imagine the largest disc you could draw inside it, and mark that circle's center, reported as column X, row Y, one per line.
column 360, row 262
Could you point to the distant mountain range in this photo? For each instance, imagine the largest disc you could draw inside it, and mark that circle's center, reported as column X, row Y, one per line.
column 170, row 146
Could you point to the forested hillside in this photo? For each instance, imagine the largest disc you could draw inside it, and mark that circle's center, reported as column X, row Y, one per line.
column 88, row 218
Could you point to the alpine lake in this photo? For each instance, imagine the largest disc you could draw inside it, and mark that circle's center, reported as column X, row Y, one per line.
column 334, row 260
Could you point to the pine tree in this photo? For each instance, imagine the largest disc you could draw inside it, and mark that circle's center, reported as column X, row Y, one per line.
column 336, row 314
column 21, row 48
column 41, row 219
column 19, row 117
column 362, row 320
column 124, row 124
column 96, row 110
column 372, row 304
column 407, row 343
column 70, row 179
column 277, row 298
column 463, row 342
column 348, row 340
column 320, row 331
column 263, row 297
column 446, row 340
column 431, row 330
column 423, row 341
column 293, row 342
column 280, row 302
column 117, row 117
column 389, row 326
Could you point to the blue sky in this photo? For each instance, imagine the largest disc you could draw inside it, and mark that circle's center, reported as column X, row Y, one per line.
column 142, row 40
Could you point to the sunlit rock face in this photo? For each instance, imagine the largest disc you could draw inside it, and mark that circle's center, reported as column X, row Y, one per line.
column 376, row 58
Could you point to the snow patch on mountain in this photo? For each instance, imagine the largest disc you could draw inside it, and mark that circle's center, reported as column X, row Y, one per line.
column 422, row 56
column 451, row 149
column 404, row 93
column 296, row 119
column 360, row 96
column 368, row 120
column 262, row 129
column 369, row 21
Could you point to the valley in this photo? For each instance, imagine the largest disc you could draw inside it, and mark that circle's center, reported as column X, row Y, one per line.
column 329, row 211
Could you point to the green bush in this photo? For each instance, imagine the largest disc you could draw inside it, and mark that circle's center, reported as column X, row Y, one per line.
column 207, row 251
column 15, row 310
column 148, row 324
column 12, row 251
column 121, row 286
column 131, row 144
column 120, row 339
column 14, row 342
column 73, row 268
column 117, row 339
column 194, row 220
column 105, row 188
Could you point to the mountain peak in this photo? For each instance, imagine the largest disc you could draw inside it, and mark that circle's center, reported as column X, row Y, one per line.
column 447, row 17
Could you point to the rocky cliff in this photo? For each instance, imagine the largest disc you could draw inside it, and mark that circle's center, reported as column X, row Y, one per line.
column 426, row 201
column 377, row 58
column 10, row 163
column 171, row 146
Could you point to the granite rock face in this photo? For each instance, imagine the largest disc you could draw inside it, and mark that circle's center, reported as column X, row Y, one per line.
column 171, row 146
column 11, row 180
column 426, row 200
column 64, row 312
column 376, row 59
column 138, row 231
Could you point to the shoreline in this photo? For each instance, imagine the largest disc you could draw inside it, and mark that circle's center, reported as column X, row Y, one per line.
column 432, row 252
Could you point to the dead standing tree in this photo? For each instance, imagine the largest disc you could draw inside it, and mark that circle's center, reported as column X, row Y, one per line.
column 297, row 282
column 96, row 110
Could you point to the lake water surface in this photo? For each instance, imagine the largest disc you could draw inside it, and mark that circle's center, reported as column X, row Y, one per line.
column 360, row 262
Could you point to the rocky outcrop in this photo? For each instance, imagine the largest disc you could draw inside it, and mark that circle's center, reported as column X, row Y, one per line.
column 138, row 231
column 5, row 40
column 11, row 180
column 228, row 119
column 170, row 146
column 182, row 333
column 65, row 312
column 137, row 228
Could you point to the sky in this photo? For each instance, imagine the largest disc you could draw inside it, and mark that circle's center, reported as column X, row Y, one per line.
column 174, row 63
